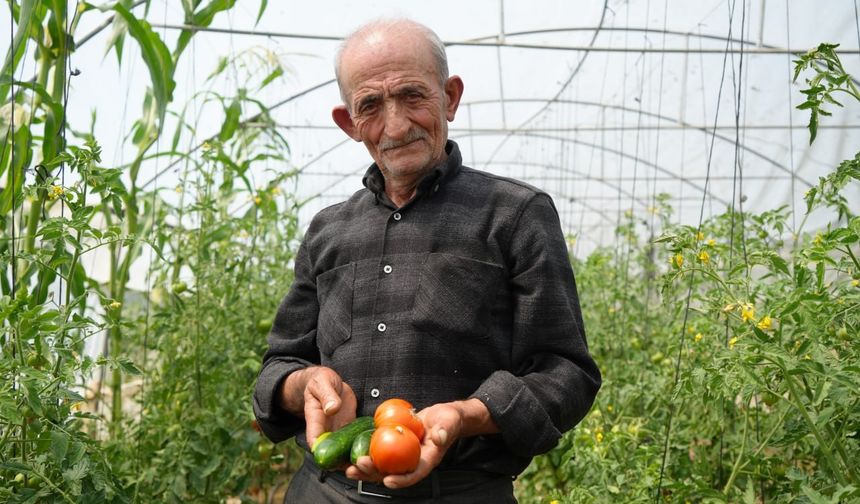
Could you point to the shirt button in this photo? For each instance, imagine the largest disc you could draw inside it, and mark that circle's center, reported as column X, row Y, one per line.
column 374, row 392
column 381, row 327
column 387, row 268
column 397, row 216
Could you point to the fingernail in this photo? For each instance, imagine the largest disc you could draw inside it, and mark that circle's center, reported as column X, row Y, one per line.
column 329, row 405
column 441, row 437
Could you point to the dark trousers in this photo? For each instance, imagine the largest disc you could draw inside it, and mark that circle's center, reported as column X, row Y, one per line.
column 311, row 486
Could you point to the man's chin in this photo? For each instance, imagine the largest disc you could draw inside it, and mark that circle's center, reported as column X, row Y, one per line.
column 403, row 165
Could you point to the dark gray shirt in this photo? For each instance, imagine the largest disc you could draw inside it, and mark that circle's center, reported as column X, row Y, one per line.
column 465, row 291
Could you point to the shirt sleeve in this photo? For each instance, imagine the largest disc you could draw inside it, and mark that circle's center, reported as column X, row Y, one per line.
column 553, row 379
column 292, row 346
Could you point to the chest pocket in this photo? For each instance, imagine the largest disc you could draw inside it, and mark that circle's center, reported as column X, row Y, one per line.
column 454, row 296
column 335, row 294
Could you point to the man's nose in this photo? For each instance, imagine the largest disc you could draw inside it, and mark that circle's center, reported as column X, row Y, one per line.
column 396, row 122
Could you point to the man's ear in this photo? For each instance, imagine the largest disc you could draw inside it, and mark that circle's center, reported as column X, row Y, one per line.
column 453, row 93
column 342, row 118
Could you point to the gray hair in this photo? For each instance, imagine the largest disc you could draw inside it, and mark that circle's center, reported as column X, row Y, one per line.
column 390, row 24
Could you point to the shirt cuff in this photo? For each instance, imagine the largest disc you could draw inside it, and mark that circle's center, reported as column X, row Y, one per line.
column 525, row 425
column 274, row 421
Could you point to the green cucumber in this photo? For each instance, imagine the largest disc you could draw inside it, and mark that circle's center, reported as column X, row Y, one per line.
column 360, row 445
column 333, row 450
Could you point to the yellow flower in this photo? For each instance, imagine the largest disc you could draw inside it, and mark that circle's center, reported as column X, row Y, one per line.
column 733, row 342
column 704, row 257
column 818, row 239
column 807, row 357
column 729, row 307
column 747, row 312
column 599, row 437
column 765, row 323
column 712, row 242
column 609, row 408
column 700, row 236
column 206, row 146
column 257, row 200
column 276, row 190
column 691, row 329
column 698, row 337
column 115, row 305
column 179, row 189
column 554, row 501
column 677, row 260
column 55, row 192
column 855, row 283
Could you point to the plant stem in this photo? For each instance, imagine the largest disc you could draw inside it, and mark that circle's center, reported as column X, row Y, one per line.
column 737, row 466
column 828, row 455
column 853, row 257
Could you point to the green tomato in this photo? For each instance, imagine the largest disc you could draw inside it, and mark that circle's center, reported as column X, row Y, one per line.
column 179, row 287
column 19, row 478
column 264, row 325
column 265, row 450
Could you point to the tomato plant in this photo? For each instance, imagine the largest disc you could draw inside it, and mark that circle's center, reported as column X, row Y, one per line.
column 394, row 449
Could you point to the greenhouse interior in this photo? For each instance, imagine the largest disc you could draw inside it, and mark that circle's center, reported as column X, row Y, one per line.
column 164, row 161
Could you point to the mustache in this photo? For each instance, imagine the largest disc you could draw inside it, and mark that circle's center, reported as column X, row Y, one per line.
column 412, row 135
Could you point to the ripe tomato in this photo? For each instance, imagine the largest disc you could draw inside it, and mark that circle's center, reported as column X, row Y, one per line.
column 398, row 411
column 394, row 402
column 394, row 449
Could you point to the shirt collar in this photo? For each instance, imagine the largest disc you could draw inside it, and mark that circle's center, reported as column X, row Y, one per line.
column 435, row 178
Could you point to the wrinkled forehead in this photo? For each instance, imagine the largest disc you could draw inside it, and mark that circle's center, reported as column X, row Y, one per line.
column 386, row 51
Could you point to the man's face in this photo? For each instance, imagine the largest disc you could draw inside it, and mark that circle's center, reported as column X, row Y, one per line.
column 398, row 107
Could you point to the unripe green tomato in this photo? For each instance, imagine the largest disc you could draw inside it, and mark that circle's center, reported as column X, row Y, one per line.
column 19, row 478
column 842, row 333
column 34, row 360
column 34, row 482
column 179, row 287
column 657, row 358
column 265, row 450
column 264, row 325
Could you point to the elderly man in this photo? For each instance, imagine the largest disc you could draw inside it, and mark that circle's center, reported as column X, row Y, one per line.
column 442, row 285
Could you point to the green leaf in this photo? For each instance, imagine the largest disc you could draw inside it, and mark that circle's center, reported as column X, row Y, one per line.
column 231, row 121
column 59, row 445
column 18, row 48
column 155, row 55
column 128, row 367
column 202, row 18
column 263, row 5
column 10, row 195
column 277, row 72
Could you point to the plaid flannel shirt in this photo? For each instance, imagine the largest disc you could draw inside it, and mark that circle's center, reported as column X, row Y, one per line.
column 465, row 291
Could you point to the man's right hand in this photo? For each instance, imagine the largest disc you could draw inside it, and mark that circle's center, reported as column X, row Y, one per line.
column 318, row 393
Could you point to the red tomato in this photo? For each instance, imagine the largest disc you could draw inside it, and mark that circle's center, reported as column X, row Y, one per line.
column 399, row 403
column 394, row 449
column 398, row 411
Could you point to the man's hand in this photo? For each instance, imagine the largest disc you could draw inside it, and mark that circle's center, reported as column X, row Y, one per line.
column 444, row 423
column 322, row 397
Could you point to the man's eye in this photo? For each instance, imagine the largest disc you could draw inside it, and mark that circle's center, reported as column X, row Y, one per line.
column 366, row 108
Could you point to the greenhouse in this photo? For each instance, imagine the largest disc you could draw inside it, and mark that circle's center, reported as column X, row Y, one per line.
column 201, row 239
